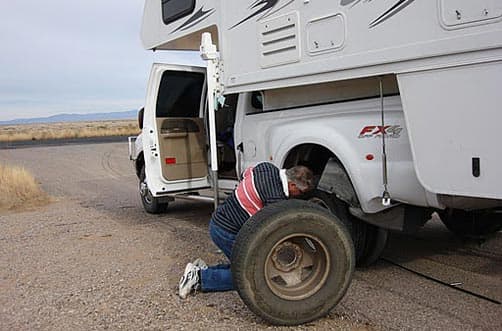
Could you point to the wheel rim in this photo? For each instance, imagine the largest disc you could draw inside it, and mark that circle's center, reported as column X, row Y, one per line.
column 145, row 192
column 297, row 266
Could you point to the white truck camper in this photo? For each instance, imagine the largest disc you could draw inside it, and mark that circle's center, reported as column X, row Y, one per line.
column 394, row 104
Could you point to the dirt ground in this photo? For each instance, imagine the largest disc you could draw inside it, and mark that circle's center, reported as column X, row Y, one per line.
column 94, row 260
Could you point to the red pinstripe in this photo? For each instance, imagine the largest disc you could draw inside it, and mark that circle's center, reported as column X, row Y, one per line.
column 247, row 195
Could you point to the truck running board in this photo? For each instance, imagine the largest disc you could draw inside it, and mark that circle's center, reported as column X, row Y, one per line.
column 194, row 197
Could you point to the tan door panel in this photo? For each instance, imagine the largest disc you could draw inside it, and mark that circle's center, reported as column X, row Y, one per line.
column 182, row 146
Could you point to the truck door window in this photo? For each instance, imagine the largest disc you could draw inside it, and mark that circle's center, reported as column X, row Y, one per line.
column 180, row 94
column 175, row 9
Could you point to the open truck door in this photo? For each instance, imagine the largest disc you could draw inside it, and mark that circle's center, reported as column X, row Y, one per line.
column 174, row 141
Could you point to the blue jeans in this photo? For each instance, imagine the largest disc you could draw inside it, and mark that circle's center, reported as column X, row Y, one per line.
column 219, row 277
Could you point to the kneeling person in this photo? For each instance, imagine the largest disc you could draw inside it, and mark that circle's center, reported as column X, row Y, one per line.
column 260, row 186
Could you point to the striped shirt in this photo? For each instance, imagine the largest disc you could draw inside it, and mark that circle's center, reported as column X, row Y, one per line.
column 260, row 185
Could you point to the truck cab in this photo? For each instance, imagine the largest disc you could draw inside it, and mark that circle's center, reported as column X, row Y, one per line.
column 171, row 153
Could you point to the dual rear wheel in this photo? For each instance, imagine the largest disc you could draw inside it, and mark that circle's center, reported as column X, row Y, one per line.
column 369, row 240
column 472, row 224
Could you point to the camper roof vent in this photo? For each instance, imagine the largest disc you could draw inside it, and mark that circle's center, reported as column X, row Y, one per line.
column 279, row 40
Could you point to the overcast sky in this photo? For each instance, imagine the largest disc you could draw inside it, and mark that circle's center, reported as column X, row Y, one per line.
column 63, row 56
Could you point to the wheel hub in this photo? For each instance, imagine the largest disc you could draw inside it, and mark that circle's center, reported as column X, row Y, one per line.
column 287, row 256
column 297, row 266
column 143, row 189
column 145, row 193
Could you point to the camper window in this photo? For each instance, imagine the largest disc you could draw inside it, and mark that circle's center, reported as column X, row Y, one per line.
column 175, row 9
column 180, row 94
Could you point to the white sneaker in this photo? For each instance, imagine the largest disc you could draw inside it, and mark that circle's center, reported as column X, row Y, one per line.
column 189, row 281
column 200, row 263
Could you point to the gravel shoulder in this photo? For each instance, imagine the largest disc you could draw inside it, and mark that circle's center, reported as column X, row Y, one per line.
column 71, row 267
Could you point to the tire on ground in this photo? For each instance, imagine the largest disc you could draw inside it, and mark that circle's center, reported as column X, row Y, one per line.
column 474, row 224
column 151, row 204
column 369, row 240
column 374, row 245
column 292, row 262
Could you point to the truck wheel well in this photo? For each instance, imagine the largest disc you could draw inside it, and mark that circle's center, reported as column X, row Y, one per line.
column 329, row 173
column 312, row 156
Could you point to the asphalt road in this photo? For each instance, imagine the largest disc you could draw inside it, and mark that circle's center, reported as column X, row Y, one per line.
column 409, row 288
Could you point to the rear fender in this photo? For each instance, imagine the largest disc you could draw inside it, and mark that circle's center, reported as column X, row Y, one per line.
column 361, row 183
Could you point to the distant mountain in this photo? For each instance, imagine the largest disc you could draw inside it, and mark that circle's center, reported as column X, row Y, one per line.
column 121, row 115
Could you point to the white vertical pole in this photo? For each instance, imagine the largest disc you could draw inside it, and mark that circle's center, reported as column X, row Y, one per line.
column 210, row 55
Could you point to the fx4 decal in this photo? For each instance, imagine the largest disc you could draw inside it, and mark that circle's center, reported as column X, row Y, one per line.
column 373, row 131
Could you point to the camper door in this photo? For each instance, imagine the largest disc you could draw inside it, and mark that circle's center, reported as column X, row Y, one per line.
column 174, row 141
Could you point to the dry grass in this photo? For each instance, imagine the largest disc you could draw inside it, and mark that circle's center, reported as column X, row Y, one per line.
column 47, row 131
column 19, row 190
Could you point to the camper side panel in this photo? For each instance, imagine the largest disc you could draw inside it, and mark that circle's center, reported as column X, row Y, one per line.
column 453, row 117
column 280, row 43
